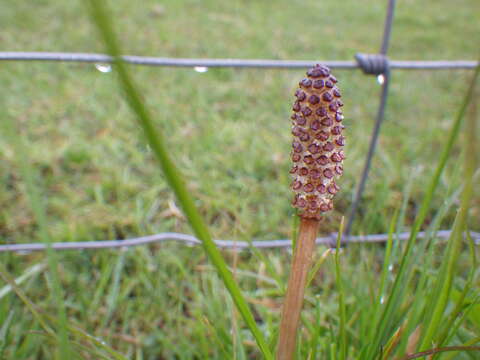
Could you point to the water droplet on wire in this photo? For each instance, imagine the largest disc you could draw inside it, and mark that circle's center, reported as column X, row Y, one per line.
column 104, row 68
column 381, row 79
column 200, row 69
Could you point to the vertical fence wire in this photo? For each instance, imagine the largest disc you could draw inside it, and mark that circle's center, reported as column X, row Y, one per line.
column 379, row 118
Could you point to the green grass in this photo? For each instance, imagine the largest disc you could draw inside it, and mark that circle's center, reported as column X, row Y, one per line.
column 228, row 131
column 100, row 17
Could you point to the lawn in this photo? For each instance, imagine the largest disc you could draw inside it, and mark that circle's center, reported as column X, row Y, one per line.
column 229, row 133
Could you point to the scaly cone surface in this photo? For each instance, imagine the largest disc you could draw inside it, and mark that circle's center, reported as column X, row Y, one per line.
column 317, row 153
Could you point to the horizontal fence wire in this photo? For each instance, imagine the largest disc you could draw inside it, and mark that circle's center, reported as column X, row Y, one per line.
column 236, row 63
column 190, row 240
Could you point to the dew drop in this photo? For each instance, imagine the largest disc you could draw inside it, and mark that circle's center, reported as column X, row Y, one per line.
column 381, row 79
column 200, row 69
column 103, row 68
column 101, row 341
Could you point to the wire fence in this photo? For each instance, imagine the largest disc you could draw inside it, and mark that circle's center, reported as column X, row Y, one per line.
column 233, row 63
column 226, row 244
column 371, row 64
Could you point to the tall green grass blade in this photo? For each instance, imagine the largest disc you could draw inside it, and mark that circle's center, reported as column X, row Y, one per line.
column 444, row 281
column 38, row 208
column 102, row 21
column 460, row 313
column 333, row 351
column 384, row 328
column 112, row 297
column 23, row 297
column 316, row 335
column 426, row 252
column 80, row 349
column 97, row 342
column 101, row 287
column 42, row 319
column 460, row 317
column 442, row 292
column 386, row 266
column 383, row 278
column 4, row 330
column 32, row 271
column 316, row 267
column 272, row 272
column 387, row 260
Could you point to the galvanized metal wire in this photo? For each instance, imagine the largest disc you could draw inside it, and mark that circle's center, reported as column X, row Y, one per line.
column 234, row 63
column 226, row 244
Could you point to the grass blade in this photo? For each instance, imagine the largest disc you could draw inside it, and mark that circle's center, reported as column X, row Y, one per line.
column 445, row 279
column 42, row 319
column 38, row 208
column 30, row 306
column 396, row 293
column 316, row 266
column 102, row 21
column 32, row 271
column 385, row 270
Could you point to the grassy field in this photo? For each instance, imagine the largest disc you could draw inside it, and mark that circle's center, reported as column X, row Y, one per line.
column 229, row 133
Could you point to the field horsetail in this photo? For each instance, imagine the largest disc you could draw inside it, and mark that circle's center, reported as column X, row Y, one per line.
column 317, row 156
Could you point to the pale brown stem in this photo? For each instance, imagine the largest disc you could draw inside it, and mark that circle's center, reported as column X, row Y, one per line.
column 292, row 306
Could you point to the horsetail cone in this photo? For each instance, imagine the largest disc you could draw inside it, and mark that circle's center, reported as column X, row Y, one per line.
column 317, row 144
column 317, row 157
